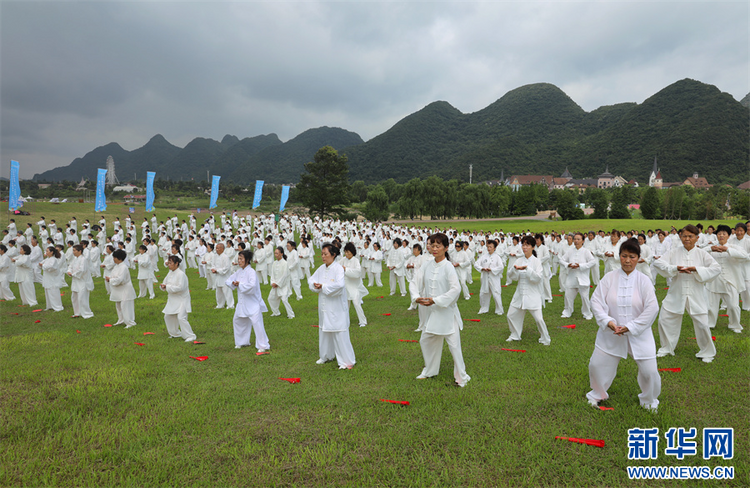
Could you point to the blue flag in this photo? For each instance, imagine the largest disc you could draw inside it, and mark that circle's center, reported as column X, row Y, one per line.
column 101, row 201
column 131, row 209
column 214, row 192
column 258, row 193
column 284, row 197
column 15, row 189
column 150, row 191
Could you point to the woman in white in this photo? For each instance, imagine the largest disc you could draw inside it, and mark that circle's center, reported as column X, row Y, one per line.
column 305, row 258
column 395, row 262
column 51, row 279
column 121, row 290
column 437, row 290
column 730, row 283
column 107, row 266
column 5, row 268
column 355, row 290
column 207, row 262
column 413, row 264
column 528, row 296
column 462, row 263
column 625, row 307
column 295, row 272
column 364, row 257
column 200, row 251
column 543, row 254
column 221, row 268
column 690, row 269
column 611, row 251
column 646, row 257
column 490, row 265
column 146, row 277
column 130, row 250
column 248, row 314
column 328, row 282
column 376, row 266
column 190, row 248
column 25, row 276
column 95, row 258
column 578, row 261
column 281, row 288
column 661, row 248
column 514, row 252
column 82, row 284
column 178, row 301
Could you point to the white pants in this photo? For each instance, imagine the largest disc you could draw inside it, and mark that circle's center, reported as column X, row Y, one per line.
column 595, row 274
column 515, row 323
column 274, row 299
column 670, row 325
column 190, row 263
column 357, row 303
column 306, row 272
column 224, row 296
column 5, row 292
column 570, row 297
column 562, row 277
column 432, row 351
column 202, row 270
column 732, row 301
column 27, row 292
column 262, row 276
column 603, row 369
column 210, row 285
column 547, row 293
column 125, row 312
column 393, row 279
column 484, row 301
column 374, row 276
column 146, row 285
column 297, row 287
column 745, row 295
column 80, row 300
column 465, row 288
column 178, row 326
column 336, row 345
column 54, row 300
column 243, row 328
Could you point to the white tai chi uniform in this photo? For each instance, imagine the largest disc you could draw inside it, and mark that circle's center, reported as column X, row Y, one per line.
column 280, row 277
column 295, row 272
column 728, row 285
column 333, row 316
column 577, row 281
column 178, row 305
column 248, row 314
column 491, row 281
column 81, row 286
column 146, row 277
column 686, row 293
column 25, row 280
column 355, row 289
column 376, row 268
column 123, row 294
column 528, row 298
column 6, row 278
column 222, row 264
column 51, row 283
column 397, row 261
column 628, row 301
column 442, row 320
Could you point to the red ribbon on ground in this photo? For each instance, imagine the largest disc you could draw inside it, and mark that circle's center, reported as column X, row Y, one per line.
column 721, row 315
column 15, row 313
column 107, row 325
column 473, row 320
column 149, row 333
column 314, row 326
column 590, row 442
column 407, row 340
column 198, row 342
column 396, row 402
column 261, row 353
column 713, row 338
column 139, row 344
column 37, row 310
column 291, row 380
column 667, row 288
column 514, row 350
column 386, row 314
column 62, row 294
column 380, row 297
column 571, row 326
column 556, row 295
column 37, row 321
column 199, row 358
column 673, row 370
column 78, row 331
column 606, row 408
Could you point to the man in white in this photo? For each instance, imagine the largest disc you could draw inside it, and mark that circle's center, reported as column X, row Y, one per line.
column 121, row 290
column 248, row 315
column 690, row 269
column 490, row 265
column 578, row 261
column 221, row 269
column 396, row 263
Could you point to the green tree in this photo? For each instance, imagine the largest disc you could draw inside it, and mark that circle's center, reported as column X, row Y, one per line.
column 358, row 192
column 410, row 204
column 500, row 200
column 651, row 204
column 324, row 187
column 599, row 201
column 376, row 205
column 567, row 205
column 619, row 205
column 434, row 196
column 739, row 201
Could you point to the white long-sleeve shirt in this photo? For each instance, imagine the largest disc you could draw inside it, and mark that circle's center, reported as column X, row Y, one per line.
column 687, row 287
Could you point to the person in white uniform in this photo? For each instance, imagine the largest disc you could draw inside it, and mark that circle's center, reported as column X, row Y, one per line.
column 329, row 283
column 178, row 301
column 625, row 308
column 281, row 288
column 51, row 279
column 248, row 314
column 295, row 272
column 81, row 285
column 462, row 262
column 730, row 283
column 355, row 289
column 5, row 278
column 25, row 276
column 396, row 262
column 490, row 265
column 437, row 290
column 221, row 268
column 578, row 260
column 121, row 290
column 376, row 266
column 146, row 277
column 529, row 294
column 690, row 269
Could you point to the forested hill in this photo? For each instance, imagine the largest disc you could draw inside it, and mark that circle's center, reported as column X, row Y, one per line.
column 240, row 161
column 537, row 129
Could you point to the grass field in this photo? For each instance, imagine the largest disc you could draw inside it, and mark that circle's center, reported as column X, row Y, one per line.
column 83, row 405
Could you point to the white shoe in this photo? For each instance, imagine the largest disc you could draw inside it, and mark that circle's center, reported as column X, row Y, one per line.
column 737, row 331
column 320, row 361
column 262, row 350
column 593, row 403
column 238, row 347
column 510, row 339
column 661, row 354
column 275, row 315
column 707, row 360
column 363, row 325
column 422, row 377
column 499, row 313
column 563, row 316
column 588, row 318
column 218, row 307
column 191, row 339
column 129, row 326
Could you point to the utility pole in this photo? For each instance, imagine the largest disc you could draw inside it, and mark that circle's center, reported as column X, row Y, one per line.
column 470, row 171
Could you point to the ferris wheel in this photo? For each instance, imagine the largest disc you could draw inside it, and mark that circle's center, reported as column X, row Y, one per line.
column 111, row 176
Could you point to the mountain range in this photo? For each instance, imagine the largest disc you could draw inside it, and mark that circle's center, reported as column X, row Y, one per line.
column 688, row 126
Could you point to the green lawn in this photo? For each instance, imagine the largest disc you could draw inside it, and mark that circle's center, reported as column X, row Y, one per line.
column 83, row 405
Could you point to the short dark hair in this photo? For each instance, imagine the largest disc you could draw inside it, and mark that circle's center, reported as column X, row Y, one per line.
column 332, row 250
column 351, row 248
column 631, row 245
column 725, row 228
column 692, row 229
column 120, row 254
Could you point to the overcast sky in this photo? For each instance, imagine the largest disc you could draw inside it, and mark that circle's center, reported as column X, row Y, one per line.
column 77, row 75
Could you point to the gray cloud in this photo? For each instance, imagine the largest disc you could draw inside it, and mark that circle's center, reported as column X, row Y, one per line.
column 76, row 75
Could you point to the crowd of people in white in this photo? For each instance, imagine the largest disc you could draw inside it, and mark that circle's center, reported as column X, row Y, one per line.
column 705, row 272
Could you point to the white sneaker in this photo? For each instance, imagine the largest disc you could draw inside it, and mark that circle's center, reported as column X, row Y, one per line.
column 129, row 326
column 320, row 361
column 262, row 350
column 707, row 360
column 238, row 347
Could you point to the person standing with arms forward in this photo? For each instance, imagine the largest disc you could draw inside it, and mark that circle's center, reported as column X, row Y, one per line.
column 625, row 307
column 491, row 267
column 281, row 288
column 529, row 293
column 578, row 260
column 437, row 290
column 248, row 314
column 328, row 282
column 221, row 268
column 121, row 290
column 690, row 269
column 178, row 302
